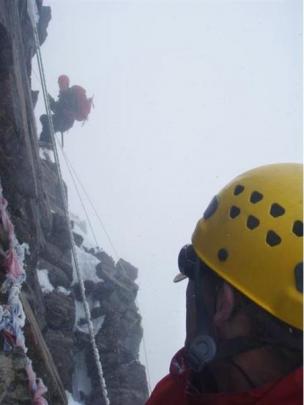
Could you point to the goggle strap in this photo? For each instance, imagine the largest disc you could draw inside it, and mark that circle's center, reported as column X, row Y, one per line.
column 203, row 349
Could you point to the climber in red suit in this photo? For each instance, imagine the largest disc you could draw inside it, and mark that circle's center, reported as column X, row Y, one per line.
column 72, row 105
column 244, row 322
column 63, row 117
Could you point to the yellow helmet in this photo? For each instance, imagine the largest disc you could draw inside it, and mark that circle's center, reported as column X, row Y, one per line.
column 251, row 235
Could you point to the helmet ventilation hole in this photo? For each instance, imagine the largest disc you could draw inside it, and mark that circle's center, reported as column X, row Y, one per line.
column 238, row 189
column 273, row 239
column 299, row 277
column 252, row 222
column 276, row 210
column 255, row 197
column 298, row 228
column 212, row 207
column 222, row 254
column 234, row 211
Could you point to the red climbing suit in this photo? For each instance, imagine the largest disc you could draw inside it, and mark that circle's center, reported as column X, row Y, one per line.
column 173, row 390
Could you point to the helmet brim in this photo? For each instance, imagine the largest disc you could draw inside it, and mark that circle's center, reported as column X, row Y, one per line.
column 179, row 277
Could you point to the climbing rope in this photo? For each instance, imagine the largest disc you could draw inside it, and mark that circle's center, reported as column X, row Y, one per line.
column 75, row 178
column 33, row 12
column 70, row 170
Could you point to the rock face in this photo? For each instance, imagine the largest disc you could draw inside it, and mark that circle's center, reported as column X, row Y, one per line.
column 119, row 337
column 56, row 330
column 13, row 379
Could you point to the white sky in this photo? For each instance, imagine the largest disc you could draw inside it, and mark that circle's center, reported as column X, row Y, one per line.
column 188, row 94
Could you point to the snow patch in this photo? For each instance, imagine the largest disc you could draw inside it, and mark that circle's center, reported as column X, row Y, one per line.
column 87, row 265
column 81, row 380
column 97, row 324
column 80, row 227
column 71, row 400
column 46, row 154
column 45, row 284
column 42, row 154
column 63, row 290
column 33, row 12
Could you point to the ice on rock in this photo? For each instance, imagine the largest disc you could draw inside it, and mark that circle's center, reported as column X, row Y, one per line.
column 87, row 264
column 45, row 284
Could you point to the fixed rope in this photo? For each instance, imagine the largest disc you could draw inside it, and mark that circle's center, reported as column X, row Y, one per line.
column 33, row 13
column 75, row 178
column 70, row 170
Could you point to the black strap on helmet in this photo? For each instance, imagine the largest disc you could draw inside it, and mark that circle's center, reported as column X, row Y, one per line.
column 202, row 349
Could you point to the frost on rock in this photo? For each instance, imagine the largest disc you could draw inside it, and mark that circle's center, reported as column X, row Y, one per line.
column 87, row 264
column 45, row 284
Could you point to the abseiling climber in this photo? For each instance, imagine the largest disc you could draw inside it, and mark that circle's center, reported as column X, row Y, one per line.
column 72, row 105
column 244, row 300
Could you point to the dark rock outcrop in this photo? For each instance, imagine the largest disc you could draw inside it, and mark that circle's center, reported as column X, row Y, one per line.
column 126, row 269
column 60, row 311
column 13, row 379
column 57, row 276
column 61, row 346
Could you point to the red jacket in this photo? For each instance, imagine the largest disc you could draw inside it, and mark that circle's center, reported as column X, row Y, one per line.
column 172, row 390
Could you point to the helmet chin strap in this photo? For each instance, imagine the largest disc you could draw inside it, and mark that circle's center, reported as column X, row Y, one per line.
column 203, row 349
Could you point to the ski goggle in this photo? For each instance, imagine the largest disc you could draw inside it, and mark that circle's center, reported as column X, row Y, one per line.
column 187, row 259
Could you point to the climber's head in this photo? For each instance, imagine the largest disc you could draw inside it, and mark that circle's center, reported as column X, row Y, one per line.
column 63, row 82
column 245, row 264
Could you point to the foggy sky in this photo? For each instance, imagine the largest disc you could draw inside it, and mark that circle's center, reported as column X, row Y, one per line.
column 188, row 94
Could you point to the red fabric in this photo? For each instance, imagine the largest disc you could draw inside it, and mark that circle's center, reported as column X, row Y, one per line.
column 82, row 104
column 173, row 390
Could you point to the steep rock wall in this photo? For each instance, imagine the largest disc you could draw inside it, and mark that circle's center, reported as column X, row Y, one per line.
column 55, row 330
